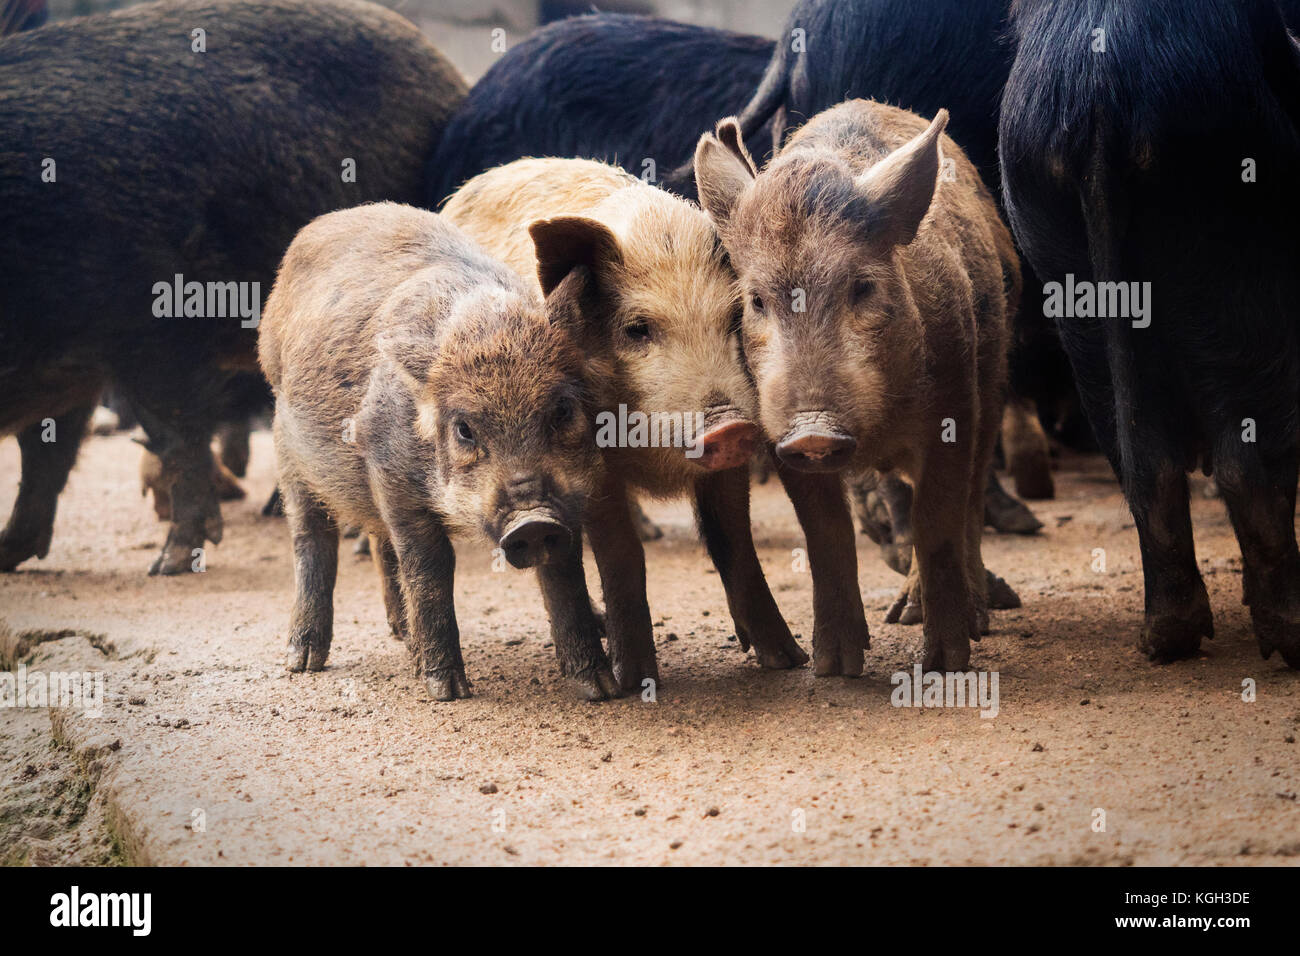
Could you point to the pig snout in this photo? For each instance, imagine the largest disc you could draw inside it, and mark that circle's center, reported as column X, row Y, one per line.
column 816, row 443
column 534, row 538
column 728, row 444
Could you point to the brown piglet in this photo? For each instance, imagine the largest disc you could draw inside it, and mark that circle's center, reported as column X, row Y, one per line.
column 421, row 387
column 876, row 294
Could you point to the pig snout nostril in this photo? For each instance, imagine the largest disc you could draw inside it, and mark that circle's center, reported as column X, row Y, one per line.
column 816, row 449
column 534, row 541
column 729, row 445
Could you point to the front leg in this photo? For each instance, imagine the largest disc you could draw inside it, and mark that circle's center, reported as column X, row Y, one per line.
column 840, row 632
column 620, row 558
column 427, row 568
column 315, row 566
column 722, row 510
column 575, row 628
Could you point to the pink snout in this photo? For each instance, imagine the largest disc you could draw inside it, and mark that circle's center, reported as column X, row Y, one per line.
column 728, row 445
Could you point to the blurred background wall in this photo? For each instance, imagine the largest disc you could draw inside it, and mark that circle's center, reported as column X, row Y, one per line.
column 463, row 29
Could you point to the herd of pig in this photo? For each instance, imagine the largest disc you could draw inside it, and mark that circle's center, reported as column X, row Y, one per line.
column 805, row 249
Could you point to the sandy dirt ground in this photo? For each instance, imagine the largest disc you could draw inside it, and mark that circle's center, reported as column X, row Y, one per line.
column 209, row 753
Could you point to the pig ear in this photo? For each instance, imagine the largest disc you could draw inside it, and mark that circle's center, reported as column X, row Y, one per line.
column 572, row 306
column 566, row 242
column 723, row 170
column 412, row 354
column 900, row 188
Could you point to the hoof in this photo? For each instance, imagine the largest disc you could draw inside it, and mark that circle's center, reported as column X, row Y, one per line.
column 173, row 560
column 1001, row 596
column 906, row 609
column 1011, row 517
column 448, row 683
column 1168, row 637
column 953, row 656
column 596, row 683
column 782, row 657
column 14, row 552
column 629, row 676
column 843, row 657
column 1032, row 476
column 1277, row 633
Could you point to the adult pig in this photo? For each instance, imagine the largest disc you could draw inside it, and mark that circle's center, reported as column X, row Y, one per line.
column 180, row 146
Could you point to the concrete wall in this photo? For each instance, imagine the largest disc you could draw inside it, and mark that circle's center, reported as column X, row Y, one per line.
column 464, row 29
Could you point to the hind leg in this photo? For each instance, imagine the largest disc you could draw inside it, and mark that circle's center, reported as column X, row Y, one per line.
column 46, row 464
column 1177, row 606
column 385, row 561
column 1261, row 503
column 175, row 409
column 1025, row 444
column 315, row 565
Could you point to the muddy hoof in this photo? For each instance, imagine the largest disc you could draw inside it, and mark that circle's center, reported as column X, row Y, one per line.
column 1033, row 477
column 14, row 551
column 176, row 558
column 596, row 683
column 1001, row 596
column 1277, row 633
column 447, row 683
column 780, row 658
column 906, row 609
column 1166, row 637
column 842, row 656
column 946, row 657
column 1010, row 517
column 630, row 675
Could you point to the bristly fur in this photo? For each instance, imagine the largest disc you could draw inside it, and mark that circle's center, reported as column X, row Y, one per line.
column 607, row 86
column 1130, row 166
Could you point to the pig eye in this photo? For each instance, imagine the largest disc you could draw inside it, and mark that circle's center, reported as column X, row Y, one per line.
column 756, row 301
column 563, row 413
column 862, row 288
column 463, row 433
column 638, row 330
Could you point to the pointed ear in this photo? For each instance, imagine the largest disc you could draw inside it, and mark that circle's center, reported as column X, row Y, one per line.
column 566, row 242
column 723, row 170
column 412, row 354
column 900, row 188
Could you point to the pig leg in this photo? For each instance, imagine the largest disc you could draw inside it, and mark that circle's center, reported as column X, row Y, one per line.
column 315, row 539
column 1003, row 512
column 941, row 519
column 427, row 565
column 840, row 633
column 722, row 510
column 1025, row 444
column 46, row 465
column 195, row 512
column 233, row 438
column 645, row 528
column 1177, row 606
column 1261, row 502
column 620, row 558
column 385, row 561
column 575, row 629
